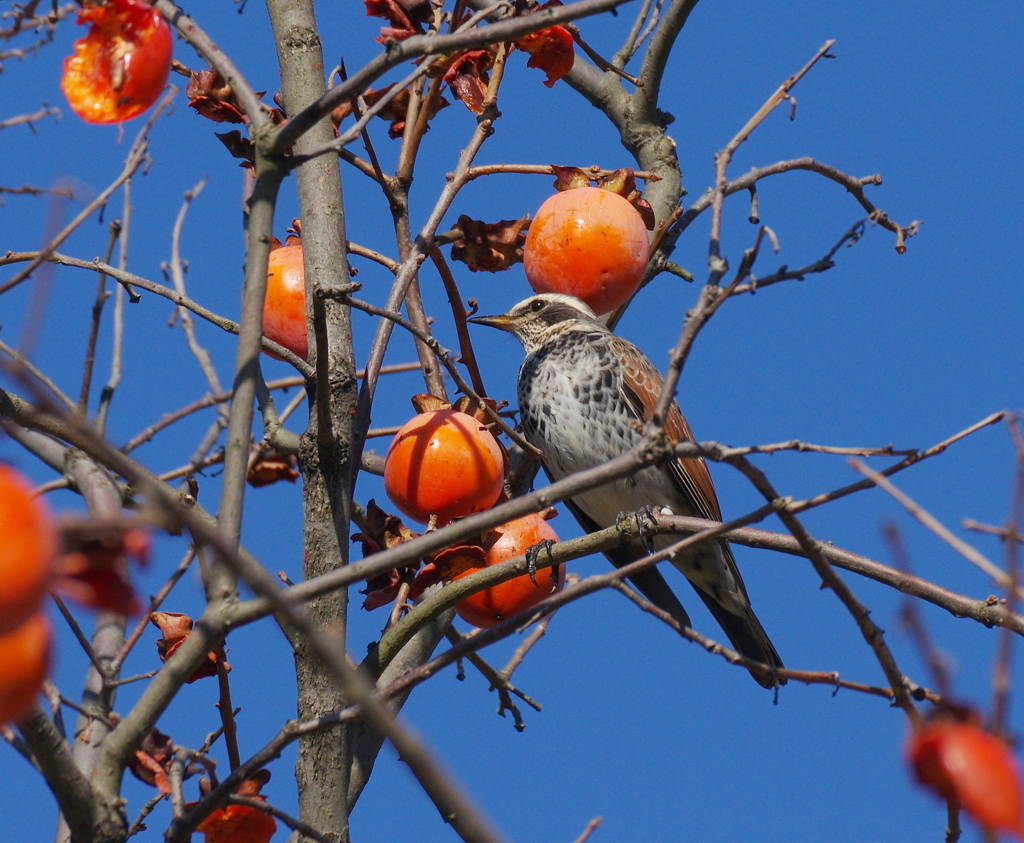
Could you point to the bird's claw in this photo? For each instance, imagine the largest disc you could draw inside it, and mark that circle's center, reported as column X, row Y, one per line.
column 533, row 555
column 645, row 519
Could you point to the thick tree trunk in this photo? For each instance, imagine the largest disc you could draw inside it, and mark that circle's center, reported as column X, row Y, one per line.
column 322, row 769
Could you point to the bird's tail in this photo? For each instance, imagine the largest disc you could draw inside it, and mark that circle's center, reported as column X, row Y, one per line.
column 748, row 637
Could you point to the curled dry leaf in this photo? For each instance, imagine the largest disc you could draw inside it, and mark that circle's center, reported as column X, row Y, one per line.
column 424, row 402
column 405, row 17
column 175, row 628
column 395, row 111
column 466, row 75
column 210, row 95
column 239, row 147
column 489, row 246
column 93, row 568
column 382, row 589
column 549, row 49
column 271, row 467
column 152, row 761
column 623, row 182
column 382, row 531
column 568, row 178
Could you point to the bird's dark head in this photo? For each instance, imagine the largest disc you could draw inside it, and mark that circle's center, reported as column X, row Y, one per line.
column 540, row 319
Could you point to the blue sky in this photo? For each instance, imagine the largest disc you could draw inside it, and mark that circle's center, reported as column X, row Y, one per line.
column 662, row 740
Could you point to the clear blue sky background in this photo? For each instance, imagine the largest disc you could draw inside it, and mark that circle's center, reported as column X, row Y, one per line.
column 662, row 740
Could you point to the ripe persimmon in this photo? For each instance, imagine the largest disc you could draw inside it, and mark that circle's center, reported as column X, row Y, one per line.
column 492, row 605
column 443, row 463
column 120, row 67
column 24, row 663
column 284, row 308
column 589, row 243
column 962, row 761
column 27, row 549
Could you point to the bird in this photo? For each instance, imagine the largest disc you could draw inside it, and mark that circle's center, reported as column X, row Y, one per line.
column 584, row 394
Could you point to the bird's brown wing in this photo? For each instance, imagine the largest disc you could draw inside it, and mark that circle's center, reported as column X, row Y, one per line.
column 641, row 386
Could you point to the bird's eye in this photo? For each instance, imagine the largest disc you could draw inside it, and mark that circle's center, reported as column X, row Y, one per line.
column 537, row 305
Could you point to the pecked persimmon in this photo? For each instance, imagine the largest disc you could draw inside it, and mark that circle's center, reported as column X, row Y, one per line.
column 239, row 823
column 24, row 663
column 961, row 761
column 590, row 243
column 492, row 605
column 284, row 308
column 443, row 463
column 27, row 550
column 120, row 67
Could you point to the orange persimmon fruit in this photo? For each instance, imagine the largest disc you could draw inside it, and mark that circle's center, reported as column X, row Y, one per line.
column 120, row 67
column 28, row 547
column 443, row 463
column 284, row 308
column 589, row 243
column 492, row 605
column 24, row 663
column 964, row 762
column 238, row 824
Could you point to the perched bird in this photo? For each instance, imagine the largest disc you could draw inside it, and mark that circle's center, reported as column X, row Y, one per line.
column 584, row 393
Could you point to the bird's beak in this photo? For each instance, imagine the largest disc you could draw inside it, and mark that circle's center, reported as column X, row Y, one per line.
column 502, row 323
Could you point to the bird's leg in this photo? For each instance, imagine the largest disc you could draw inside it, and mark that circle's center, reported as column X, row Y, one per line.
column 533, row 554
column 645, row 518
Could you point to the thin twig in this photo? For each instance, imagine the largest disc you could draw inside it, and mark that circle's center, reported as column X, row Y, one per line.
column 166, row 292
column 872, row 634
column 29, row 119
column 227, row 712
column 853, row 185
column 724, row 156
column 908, row 461
column 710, row 300
column 136, row 156
column 911, row 618
column 446, row 360
column 303, row 828
column 593, row 172
column 117, row 333
column 154, row 604
column 80, row 636
column 139, row 825
column 466, row 353
column 97, row 312
column 397, row 53
column 970, row 553
column 592, row 826
column 1002, row 672
column 21, row 365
